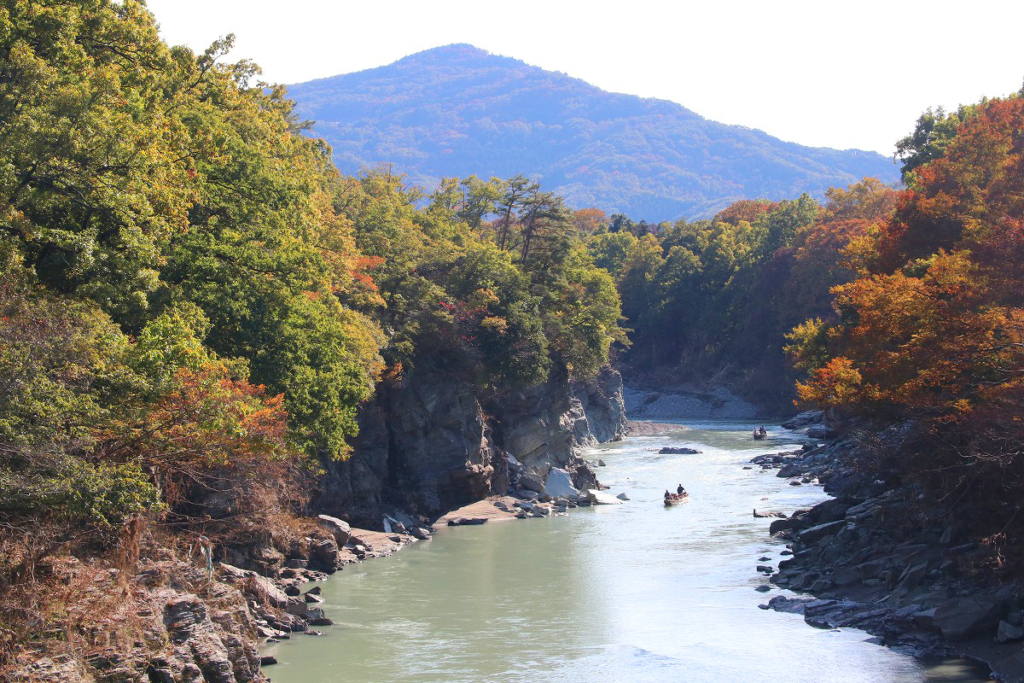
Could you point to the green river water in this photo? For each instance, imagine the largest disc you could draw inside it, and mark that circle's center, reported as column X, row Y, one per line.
column 634, row 592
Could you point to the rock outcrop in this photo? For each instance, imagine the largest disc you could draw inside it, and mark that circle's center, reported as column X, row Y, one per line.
column 432, row 443
column 879, row 557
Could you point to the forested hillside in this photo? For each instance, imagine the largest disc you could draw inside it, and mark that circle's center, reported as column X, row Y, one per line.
column 459, row 111
column 195, row 303
column 929, row 334
column 714, row 300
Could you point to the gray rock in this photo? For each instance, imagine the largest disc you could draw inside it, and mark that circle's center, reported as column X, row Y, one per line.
column 467, row 521
column 1006, row 632
column 963, row 617
column 340, row 529
column 559, row 484
column 264, row 590
column 595, row 497
column 531, row 482
column 816, row 533
column 804, row 419
column 527, row 494
column 622, row 496
column 421, row 533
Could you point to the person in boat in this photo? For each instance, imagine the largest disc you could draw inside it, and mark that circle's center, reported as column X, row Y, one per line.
column 680, row 490
column 668, row 495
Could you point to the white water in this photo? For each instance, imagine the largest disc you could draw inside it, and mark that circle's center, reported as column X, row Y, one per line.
column 626, row 593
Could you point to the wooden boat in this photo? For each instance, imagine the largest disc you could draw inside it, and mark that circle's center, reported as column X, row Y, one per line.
column 676, row 499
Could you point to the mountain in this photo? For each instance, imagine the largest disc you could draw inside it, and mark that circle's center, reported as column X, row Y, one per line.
column 458, row 110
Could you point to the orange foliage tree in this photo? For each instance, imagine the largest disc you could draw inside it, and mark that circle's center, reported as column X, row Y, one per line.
column 932, row 329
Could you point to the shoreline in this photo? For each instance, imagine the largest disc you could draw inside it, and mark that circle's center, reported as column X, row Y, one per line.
column 868, row 558
column 287, row 605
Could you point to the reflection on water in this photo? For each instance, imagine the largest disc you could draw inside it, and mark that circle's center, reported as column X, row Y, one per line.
column 636, row 592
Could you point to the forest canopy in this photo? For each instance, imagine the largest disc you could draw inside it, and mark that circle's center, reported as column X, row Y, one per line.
column 193, row 297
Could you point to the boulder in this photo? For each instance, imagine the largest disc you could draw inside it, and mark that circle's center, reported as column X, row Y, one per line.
column 421, row 533
column 596, row 497
column 820, row 432
column 1008, row 632
column 340, row 529
column 323, row 553
column 672, row 450
column 526, row 494
column 963, row 617
column 816, row 533
column 559, row 484
column 531, row 482
column 622, row 496
column 780, row 525
column 264, row 590
column 804, row 419
column 467, row 521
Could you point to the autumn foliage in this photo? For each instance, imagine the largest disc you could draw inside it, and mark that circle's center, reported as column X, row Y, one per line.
column 932, row 328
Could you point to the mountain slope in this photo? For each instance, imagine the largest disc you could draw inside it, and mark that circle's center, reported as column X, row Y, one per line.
column 458, row 110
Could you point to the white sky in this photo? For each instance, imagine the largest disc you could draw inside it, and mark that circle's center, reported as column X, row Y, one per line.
column 821, row 73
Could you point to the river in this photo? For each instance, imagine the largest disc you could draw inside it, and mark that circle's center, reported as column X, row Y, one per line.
column 630, row 593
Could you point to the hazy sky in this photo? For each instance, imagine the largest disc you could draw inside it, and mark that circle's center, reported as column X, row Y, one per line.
column 823, row 73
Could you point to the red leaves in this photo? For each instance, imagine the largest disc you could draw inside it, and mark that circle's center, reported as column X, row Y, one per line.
column 934, row 326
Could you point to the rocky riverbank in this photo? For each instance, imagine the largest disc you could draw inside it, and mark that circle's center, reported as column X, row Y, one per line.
column 876, row 557
column 433, row 451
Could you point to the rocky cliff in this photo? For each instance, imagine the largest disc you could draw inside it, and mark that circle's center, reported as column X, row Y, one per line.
column 431, row 443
